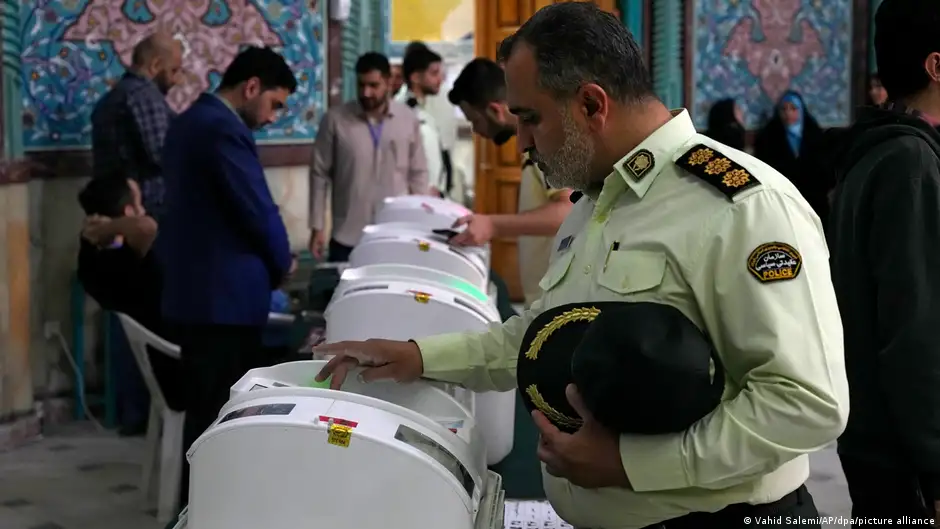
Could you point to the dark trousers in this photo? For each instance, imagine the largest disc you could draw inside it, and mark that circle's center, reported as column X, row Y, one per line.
column 338, row 252
column 214, row 357
column 448, row 172
column 133, row 398
column 796, row 507
column 503, row 301
column 880, row 492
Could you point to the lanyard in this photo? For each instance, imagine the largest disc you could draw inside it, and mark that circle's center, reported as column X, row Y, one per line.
column 376, row 131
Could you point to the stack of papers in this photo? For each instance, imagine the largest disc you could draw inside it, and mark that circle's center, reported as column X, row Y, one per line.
column 532, row 515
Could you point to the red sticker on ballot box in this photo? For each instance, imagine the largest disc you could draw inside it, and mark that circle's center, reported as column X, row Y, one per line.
column 341, row 422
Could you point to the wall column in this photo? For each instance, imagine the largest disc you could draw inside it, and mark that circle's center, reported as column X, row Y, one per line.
column 872, row 61
column 17, row 417
column 668, row 20
column 631, row 13
column 365, row 30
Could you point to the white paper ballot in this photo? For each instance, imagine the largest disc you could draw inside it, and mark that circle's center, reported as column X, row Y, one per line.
column 528, row 514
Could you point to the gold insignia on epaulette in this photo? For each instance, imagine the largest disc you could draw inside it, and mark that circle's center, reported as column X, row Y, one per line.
column 726, row 175
column 640, row 164
column 701, row 156
column 718, row 166
column 578, row 314
column 736, row 178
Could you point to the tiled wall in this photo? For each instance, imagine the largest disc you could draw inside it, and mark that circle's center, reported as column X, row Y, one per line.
column 55, row 219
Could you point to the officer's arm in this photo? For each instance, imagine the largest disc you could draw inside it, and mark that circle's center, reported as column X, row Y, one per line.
column 780, row 341
column 478, row 361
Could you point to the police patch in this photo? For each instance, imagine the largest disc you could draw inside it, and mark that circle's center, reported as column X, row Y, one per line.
column 774, row 261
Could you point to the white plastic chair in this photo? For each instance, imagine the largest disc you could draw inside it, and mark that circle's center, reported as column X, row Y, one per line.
column 164, row 428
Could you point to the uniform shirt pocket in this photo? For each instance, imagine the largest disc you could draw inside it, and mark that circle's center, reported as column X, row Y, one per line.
column 632, row 271
column 556, row 271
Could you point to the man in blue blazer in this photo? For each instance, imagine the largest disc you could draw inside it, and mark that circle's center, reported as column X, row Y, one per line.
column 223, row 243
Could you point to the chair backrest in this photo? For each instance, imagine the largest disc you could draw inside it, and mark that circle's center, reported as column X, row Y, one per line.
column 139, row 337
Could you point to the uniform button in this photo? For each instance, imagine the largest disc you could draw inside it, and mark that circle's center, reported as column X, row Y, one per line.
column 587, row 269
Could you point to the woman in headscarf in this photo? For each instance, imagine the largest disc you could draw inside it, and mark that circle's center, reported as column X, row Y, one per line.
column 724, row 124
column 790, row 143
column 790, row 137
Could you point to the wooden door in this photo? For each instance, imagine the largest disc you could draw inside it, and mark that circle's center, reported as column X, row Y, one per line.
column 498, row 168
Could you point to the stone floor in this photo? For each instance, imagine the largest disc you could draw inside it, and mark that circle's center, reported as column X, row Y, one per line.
column 83, row 479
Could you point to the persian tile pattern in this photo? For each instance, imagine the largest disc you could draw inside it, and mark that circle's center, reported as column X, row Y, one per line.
column 74, row 50
column 755, row 50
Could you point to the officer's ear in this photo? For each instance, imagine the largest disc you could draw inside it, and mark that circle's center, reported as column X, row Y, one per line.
column 496, row 111
column 932, row 66
column 594, row 104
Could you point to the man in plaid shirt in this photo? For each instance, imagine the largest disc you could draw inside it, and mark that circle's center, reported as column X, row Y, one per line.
column 130, row 121
column 128, row 127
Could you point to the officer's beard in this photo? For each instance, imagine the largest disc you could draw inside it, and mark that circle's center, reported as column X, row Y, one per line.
column 570, row 165
column 504, row 135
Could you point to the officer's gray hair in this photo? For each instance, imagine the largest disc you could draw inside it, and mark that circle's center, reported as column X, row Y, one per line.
column 576, row 43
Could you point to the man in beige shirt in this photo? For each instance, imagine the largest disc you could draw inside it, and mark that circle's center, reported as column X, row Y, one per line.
column 366, row 150
column 480, row 92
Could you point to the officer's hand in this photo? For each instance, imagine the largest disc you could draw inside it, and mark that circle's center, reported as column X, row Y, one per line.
column 317, row 243
column 479, row 231
column 383, row 359
column 588, row 458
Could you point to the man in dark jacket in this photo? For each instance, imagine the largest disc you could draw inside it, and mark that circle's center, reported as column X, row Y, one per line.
column 224, row 243
column 884, row 239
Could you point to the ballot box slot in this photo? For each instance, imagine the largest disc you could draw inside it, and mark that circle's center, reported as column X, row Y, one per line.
column 435, row 451
column 364, row 288
column 471, row 308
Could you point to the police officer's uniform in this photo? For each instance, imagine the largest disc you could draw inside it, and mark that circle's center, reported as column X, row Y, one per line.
column 721, row 236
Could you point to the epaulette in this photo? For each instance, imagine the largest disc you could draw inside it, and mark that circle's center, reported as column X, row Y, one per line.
column 575, row 196
column 726, row 175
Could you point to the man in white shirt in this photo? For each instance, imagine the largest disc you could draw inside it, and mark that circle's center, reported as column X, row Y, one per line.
column 480, row 91
column 423, row 74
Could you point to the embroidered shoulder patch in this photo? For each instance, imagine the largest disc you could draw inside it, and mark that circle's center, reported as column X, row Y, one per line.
column 722, row 172
column 774, row 261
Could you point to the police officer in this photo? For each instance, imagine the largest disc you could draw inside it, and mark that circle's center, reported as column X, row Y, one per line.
column 670, row 216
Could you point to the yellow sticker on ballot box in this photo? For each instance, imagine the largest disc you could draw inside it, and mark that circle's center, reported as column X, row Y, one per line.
column 339, row 435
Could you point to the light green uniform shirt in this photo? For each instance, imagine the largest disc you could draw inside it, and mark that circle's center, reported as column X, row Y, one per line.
column 683, row 243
